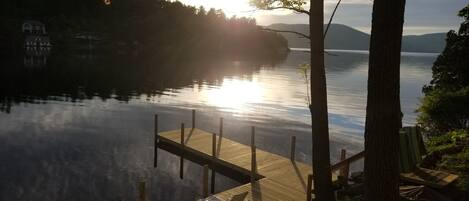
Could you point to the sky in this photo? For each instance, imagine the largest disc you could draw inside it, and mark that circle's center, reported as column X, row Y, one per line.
column 422, row 16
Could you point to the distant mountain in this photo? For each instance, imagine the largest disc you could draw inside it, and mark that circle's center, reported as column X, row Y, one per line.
column 347, row 38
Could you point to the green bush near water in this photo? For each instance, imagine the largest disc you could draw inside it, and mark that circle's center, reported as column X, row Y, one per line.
column 444, row 111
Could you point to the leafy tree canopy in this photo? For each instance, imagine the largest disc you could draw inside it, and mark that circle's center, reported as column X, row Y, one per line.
column 295, row 5
column 444, row 107
column 464, row 13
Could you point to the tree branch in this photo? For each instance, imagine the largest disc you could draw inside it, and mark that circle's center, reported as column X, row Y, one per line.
column 332, row 17
column 298, row 10
column 286, row 31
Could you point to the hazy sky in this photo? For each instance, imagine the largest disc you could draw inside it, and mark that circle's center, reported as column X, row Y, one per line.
column 422, row 16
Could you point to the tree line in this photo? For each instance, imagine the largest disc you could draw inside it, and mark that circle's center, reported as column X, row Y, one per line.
column 149, row 25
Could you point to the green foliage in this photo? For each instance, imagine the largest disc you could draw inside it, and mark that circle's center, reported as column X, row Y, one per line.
column 273, row 4
column 450, row 139
column 442, row 111
column 464, row 12
column 450, row 152
column 450, row 70
column 444, row 107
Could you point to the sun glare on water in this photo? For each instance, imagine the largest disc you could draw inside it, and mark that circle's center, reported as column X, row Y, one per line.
column 235, row 94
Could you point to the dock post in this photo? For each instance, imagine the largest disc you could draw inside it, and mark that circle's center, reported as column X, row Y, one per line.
column 141, row 191
column 309, row 188
column 344, row 171
column 214, row 155
column 221, row 127
column 253, row 154
column 214, row 145
column 181, row 162
column 155, row 156
column 193, row 118
column 292, row 148
column 205, row 182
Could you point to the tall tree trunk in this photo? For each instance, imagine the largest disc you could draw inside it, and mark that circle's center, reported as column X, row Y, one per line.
column 321, row 160
column 383, row 112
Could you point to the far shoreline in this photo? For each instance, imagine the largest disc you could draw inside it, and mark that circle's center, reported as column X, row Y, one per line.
column 430, row 54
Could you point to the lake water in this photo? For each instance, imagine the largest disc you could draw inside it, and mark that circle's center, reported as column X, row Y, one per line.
column 80, row 127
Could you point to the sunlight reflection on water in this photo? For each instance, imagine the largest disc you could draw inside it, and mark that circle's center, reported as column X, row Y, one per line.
column 279, row 92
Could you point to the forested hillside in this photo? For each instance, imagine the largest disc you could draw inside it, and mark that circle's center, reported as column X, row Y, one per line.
column 345, row 37
column 149, row 25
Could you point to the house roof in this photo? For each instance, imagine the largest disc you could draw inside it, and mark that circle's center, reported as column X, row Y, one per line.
column 33, row 22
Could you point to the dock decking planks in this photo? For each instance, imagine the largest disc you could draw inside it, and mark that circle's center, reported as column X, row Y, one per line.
column 433, row 178
column 280, row 178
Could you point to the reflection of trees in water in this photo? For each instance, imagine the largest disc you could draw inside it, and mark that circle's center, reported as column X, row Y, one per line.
column 344, row 61
column 334, row 61
column 122, row 77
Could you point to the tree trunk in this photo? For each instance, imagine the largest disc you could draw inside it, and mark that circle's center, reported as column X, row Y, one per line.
column 383, row 112
column 320, row 130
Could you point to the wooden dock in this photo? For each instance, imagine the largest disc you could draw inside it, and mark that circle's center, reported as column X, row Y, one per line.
column 265, row 175
column 276, row 177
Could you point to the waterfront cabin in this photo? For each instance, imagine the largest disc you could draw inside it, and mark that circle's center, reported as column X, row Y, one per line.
column 34, row 27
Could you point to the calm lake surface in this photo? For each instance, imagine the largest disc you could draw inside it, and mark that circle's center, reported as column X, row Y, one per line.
column 81, row 127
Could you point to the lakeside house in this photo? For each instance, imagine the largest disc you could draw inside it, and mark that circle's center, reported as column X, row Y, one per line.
column 37, row 44
column 35, row 34
column 34, row 27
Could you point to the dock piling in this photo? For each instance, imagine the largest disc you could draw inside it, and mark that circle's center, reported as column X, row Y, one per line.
column 155, row 155
column 193, row 118
column 292, row 148
column 221, row 127
column 182, row 134
column 253, row 154
column 181, row 161
column 212, row 186
column 141, row 191
column 214, row 145
column 309, row 188
column 205, row 182
column 214, row 154
column 344, row 171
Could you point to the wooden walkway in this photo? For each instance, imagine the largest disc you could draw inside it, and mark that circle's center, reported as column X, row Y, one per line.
column 275, row 177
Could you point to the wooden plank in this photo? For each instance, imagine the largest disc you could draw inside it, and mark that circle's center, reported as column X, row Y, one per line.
column 264, row 189
column 352, row 159
column 433, row 178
